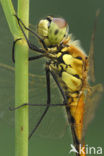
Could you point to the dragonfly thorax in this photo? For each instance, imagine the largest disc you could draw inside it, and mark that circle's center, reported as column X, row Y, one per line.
column 69, row 71
column 52, row 30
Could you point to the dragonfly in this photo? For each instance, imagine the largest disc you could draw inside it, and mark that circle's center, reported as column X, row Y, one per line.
column 68, row 65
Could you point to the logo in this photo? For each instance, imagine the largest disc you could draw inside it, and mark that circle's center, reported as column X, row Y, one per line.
column 86, row 150
column 73, row 149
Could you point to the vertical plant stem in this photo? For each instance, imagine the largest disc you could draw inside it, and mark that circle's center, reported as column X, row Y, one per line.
column 21, row 72
column 21, row 97
column 9, row 14
column 21, row 85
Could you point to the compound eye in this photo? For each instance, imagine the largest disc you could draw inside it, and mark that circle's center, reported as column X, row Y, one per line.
column 60, row 22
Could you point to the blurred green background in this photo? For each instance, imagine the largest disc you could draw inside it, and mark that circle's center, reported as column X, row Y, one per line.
column 80, row 15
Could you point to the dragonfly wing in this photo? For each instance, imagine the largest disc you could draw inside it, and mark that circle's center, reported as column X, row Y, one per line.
column 91, row 102
column 91, row 51
column 54, row 123
column 91, row 72
column 6, row 92
column 93, row 96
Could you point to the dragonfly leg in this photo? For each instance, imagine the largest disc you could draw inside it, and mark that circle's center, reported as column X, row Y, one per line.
column 31, row 46
column 30, row 58
column 13, row 49
column 35, row 34
column 48, row 102
column 38, row 105
column 35, row 57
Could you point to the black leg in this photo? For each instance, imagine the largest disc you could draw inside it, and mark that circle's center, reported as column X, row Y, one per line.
column 13, row 49
column 47, row 106
column 30, row 58
column 38, row 105
column 36, row 57
column 48, row 102
column 35, row 34
column 48, row 85
column 61, row 90
column 31, row 46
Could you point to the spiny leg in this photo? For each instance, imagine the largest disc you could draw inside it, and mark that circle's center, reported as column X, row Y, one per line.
column 38, row 105
column 31, row 46
column 13, row 49
column 30, row 58
column 48, row 102
column 35, row 34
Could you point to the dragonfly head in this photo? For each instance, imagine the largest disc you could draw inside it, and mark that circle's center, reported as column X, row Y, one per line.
column 52, row 30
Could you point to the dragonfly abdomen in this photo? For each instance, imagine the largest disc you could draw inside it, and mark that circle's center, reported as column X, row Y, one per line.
column 75, row 111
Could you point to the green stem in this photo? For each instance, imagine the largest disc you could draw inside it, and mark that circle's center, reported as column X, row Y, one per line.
column 21, row 97
column 21, row 73
column 21, row 86
column 9, row 14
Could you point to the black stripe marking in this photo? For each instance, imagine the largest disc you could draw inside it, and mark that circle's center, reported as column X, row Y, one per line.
column 79, row 57
column 72, row 121
column 60, row 73
column 49, row 19
column 76, row 141
column 60, row 59
column 77, row 76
